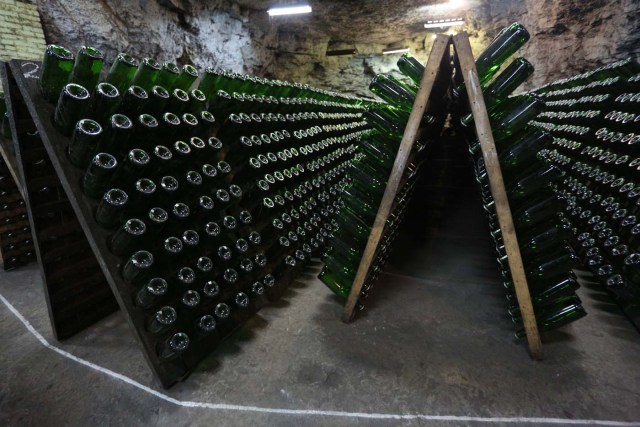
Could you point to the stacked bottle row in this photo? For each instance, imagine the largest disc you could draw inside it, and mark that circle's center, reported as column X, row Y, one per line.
column 16, row 244
column 369, row 175
column 216, row 197
column 594, row 120
column 541, row 232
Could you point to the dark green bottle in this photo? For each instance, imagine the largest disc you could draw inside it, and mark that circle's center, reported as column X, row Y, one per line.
column 73, row 104
column 128, row 238
column 122, row 71
column 556, row 319
column 111, row 207
column 152, row 292
column 187, row 76
column 133, row 102
column 507, row 81
column 137, row 267
column 131, row 167
column 393, row 91
column 506, row 43
column 525, row 150
column 162, row 320
column 168, row 75
column 98, row 175
column 158, row 98
column 57, row 65
column 174, row 346
column 146, row 74
column 84, row 142
column 87, row 68
column 411, row 67
column 506, row 123
column 116, row 135
column 104, row 101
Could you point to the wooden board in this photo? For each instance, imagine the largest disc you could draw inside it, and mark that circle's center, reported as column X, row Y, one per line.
column 436, row 57
column 62, row 251
column 496, row 182
column 7, row 147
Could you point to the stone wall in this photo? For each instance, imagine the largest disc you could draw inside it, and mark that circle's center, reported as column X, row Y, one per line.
column 205, row 33
column 568, row 36
column 21, row 35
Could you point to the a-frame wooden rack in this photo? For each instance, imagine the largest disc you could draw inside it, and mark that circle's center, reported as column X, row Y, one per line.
column 464, row 62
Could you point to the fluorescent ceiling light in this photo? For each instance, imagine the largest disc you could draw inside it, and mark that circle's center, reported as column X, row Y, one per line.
column 443, row 23
column 289, row 10
column 398, row 50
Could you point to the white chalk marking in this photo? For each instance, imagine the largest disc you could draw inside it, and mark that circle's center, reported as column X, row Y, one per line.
column 305, row 412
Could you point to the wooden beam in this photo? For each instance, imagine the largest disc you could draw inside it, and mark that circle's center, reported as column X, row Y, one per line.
column 439, row 49
column 496, row 183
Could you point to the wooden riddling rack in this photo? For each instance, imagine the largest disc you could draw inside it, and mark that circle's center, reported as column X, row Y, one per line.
column 81, row 276
column 76, row 290
column 16, row 247
column 433, row 84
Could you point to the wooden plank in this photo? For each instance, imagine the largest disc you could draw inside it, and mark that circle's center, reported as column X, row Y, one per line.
column 440, row 47
column 496, row 182
column 7, row 148
column 29, row 148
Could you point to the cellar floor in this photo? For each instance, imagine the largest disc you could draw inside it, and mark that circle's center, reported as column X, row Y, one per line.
column 437, row 346
column 434, row 347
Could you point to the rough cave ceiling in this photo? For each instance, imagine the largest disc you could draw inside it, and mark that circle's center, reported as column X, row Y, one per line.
column 361, row 21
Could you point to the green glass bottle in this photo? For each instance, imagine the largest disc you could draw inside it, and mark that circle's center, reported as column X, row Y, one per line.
column 73, row 104
column 128, row 238
column 411, row 67
column 506, row 43
column 133, row 101
column 187, row 77
column 104, row 101
column 111, row 207
column 534, row 214
column 87, row 67
column 174, row 346
column 178, row 101
column 152, row 292
column 524, row 150
column 556, row 319
column 116, row 135
column 158, row 98
column 531, row 184
column 122, row 71
column 57, row 65
column 98, row 174
column 507, row 81
column 84, row 142
column 393, row 91
column 146, row 74
column 506, row 123
column 162, row 320
column 168, row 75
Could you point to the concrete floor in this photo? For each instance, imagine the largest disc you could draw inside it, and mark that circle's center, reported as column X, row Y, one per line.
column 434, row 342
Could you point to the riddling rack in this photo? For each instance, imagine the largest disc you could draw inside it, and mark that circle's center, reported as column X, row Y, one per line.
column 76, row 290
column 594, row 121
column 440, row 63
column 283, row 221
column 16, row 245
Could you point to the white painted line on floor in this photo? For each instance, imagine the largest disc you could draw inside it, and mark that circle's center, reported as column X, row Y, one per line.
column 305, row 412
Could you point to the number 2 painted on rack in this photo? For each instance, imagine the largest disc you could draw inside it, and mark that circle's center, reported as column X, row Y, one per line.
column 30, row 73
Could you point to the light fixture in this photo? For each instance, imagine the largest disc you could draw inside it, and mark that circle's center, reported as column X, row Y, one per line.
column 341, row 52
column 455, row 3
column 395, row 50
column 289, row 10
column 443, row 23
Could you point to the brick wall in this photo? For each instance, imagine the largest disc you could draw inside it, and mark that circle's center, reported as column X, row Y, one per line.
column 21, row 35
